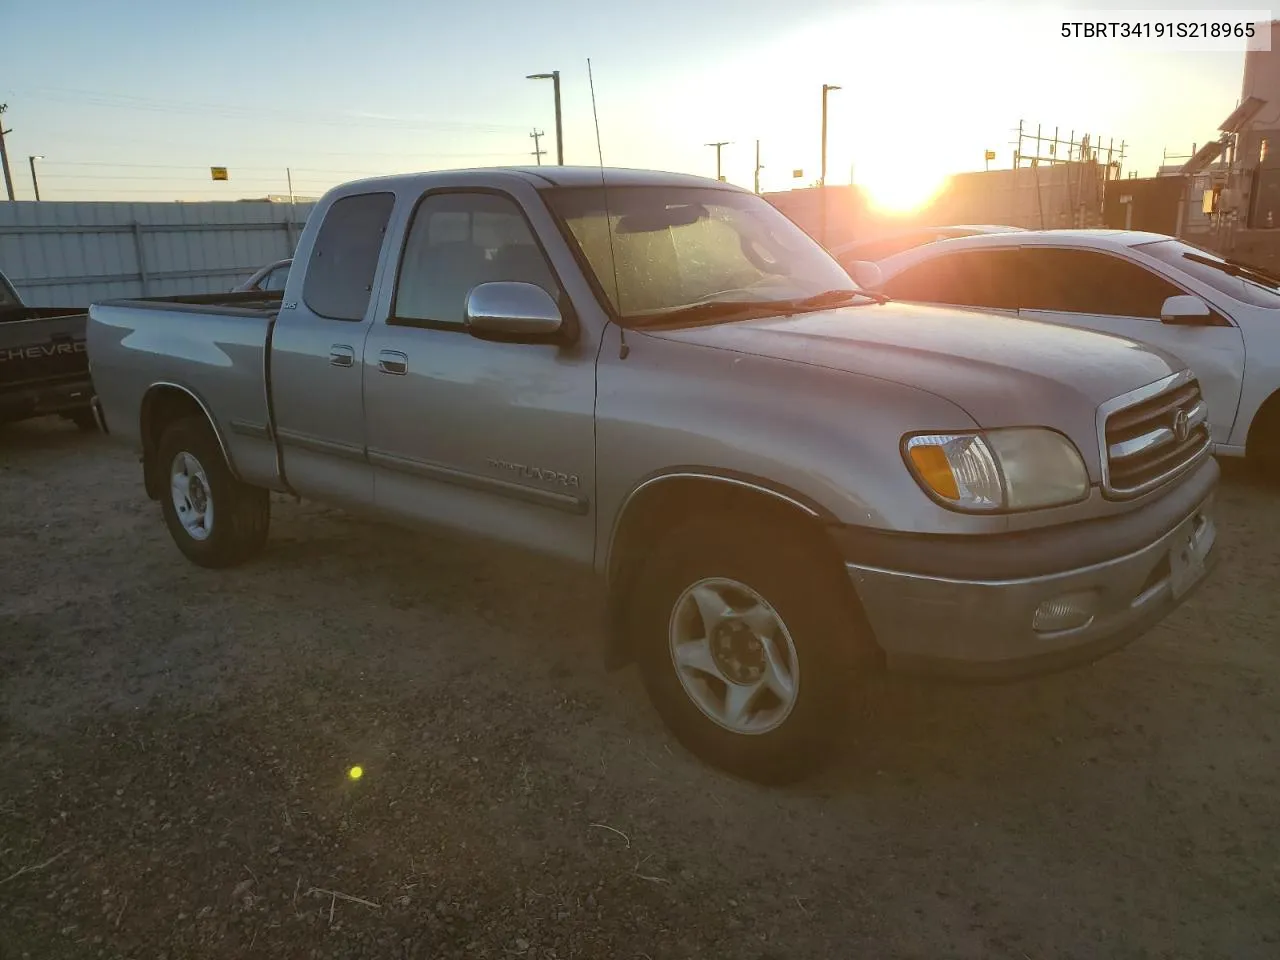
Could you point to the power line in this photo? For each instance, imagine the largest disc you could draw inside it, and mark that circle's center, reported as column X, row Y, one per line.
column 4, row 154
column 408, row 154
column 254, row 112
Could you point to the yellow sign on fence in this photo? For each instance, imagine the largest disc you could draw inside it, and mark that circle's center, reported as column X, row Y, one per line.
column 219, row 173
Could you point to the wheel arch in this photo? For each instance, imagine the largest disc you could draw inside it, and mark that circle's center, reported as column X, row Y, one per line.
column 163, row 404
column 1264, row 429
column 659, row 503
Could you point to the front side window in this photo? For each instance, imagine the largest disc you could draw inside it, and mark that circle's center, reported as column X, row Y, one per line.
column 980, row 278
column 344, row 260
column 1085, row 281
column 661, row 249
column 458, row 241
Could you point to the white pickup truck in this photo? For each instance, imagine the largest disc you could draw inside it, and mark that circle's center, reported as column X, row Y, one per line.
column 783, row 481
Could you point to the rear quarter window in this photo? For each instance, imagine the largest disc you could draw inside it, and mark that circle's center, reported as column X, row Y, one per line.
column 340, row 271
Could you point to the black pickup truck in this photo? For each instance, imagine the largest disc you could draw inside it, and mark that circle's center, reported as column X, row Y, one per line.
column 44, row 369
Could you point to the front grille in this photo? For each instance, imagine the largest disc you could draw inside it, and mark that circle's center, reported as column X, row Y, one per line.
column 1153, row 434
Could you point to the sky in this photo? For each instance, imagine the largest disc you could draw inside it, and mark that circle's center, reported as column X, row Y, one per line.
column 137, row 100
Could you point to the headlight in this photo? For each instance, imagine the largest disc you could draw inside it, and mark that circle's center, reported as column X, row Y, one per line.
column 1019, row 469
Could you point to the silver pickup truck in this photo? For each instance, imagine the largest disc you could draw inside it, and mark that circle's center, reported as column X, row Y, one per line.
column 781, row 480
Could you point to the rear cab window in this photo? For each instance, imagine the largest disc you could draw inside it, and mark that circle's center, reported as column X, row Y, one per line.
column 340, row 272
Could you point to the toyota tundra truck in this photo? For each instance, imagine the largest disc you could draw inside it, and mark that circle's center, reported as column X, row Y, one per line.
column 783, row 481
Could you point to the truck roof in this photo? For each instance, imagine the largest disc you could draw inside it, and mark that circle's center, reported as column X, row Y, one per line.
column 550, row 176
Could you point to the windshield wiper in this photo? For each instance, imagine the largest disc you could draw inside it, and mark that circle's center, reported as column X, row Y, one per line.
column 712, row 311
column 1235, row 268
column 834, row 298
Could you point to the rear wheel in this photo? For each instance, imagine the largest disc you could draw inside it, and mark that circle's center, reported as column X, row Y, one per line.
column 748, row 645
column 215, row 520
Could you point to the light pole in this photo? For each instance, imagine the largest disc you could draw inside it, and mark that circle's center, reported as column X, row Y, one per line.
column 719, row 146
column 554, row 77
column 35, row 183
column 826, row 88
column 822, row 180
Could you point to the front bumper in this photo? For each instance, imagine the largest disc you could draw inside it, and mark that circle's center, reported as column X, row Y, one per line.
column 984, row 629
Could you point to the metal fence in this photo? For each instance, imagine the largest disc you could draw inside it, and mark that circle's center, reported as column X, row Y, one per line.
column 70, row 254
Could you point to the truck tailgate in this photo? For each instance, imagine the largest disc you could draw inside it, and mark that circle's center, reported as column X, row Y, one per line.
column 42, row 349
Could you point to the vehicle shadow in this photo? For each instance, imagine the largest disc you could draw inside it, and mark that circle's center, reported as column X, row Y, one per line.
column 40, row 434
column 914, row 730
column 904, row 733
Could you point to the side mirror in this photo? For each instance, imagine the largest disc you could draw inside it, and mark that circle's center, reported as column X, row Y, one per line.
column 1185, row 310
column 866, row 274
column 511, row 311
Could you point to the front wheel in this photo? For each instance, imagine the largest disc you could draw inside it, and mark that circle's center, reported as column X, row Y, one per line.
column 748, row 644
column 215, row 520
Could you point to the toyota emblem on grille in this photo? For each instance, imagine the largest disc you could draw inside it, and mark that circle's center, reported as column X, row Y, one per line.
column 1181, row 426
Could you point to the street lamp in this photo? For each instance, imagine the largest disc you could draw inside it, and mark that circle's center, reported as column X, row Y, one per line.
column 34, row 182
column 554, row 77
column 822, row 180
column 826, row 88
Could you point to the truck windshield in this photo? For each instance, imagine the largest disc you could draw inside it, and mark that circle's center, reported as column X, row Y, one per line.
column 660, row 251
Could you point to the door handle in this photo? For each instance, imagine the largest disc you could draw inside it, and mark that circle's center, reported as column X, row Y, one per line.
column 393, row 362
column 340, row 355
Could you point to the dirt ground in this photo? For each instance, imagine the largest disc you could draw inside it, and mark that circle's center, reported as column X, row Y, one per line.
column 175, row 746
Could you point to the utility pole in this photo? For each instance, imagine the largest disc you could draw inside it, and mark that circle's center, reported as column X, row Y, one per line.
column 293, row 220
column 35, row 184
column 537, row 146
column 720, row 145
column 758, row 168
column 4, row 154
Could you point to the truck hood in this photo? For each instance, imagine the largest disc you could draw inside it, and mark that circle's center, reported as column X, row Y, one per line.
column 1002, row 370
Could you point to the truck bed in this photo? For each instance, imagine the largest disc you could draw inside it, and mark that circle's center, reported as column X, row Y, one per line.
column 214, row 345
column 254, row 302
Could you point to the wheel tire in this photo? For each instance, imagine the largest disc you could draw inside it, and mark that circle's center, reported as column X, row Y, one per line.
column 84, row 421
column 783, row 566
column 241, row 514
column 1266, row 462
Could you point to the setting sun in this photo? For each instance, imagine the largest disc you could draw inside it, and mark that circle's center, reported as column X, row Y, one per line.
column 900, row 189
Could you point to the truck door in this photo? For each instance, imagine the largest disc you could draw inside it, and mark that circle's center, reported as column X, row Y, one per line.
column 316, row 353
column 496, row 438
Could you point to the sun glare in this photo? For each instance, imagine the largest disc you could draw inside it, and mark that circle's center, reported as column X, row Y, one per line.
column 900, row 189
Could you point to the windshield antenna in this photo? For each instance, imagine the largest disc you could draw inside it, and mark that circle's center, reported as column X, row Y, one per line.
column 623, row 349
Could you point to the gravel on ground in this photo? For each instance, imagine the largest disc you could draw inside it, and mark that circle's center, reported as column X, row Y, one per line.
column 177, row 745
